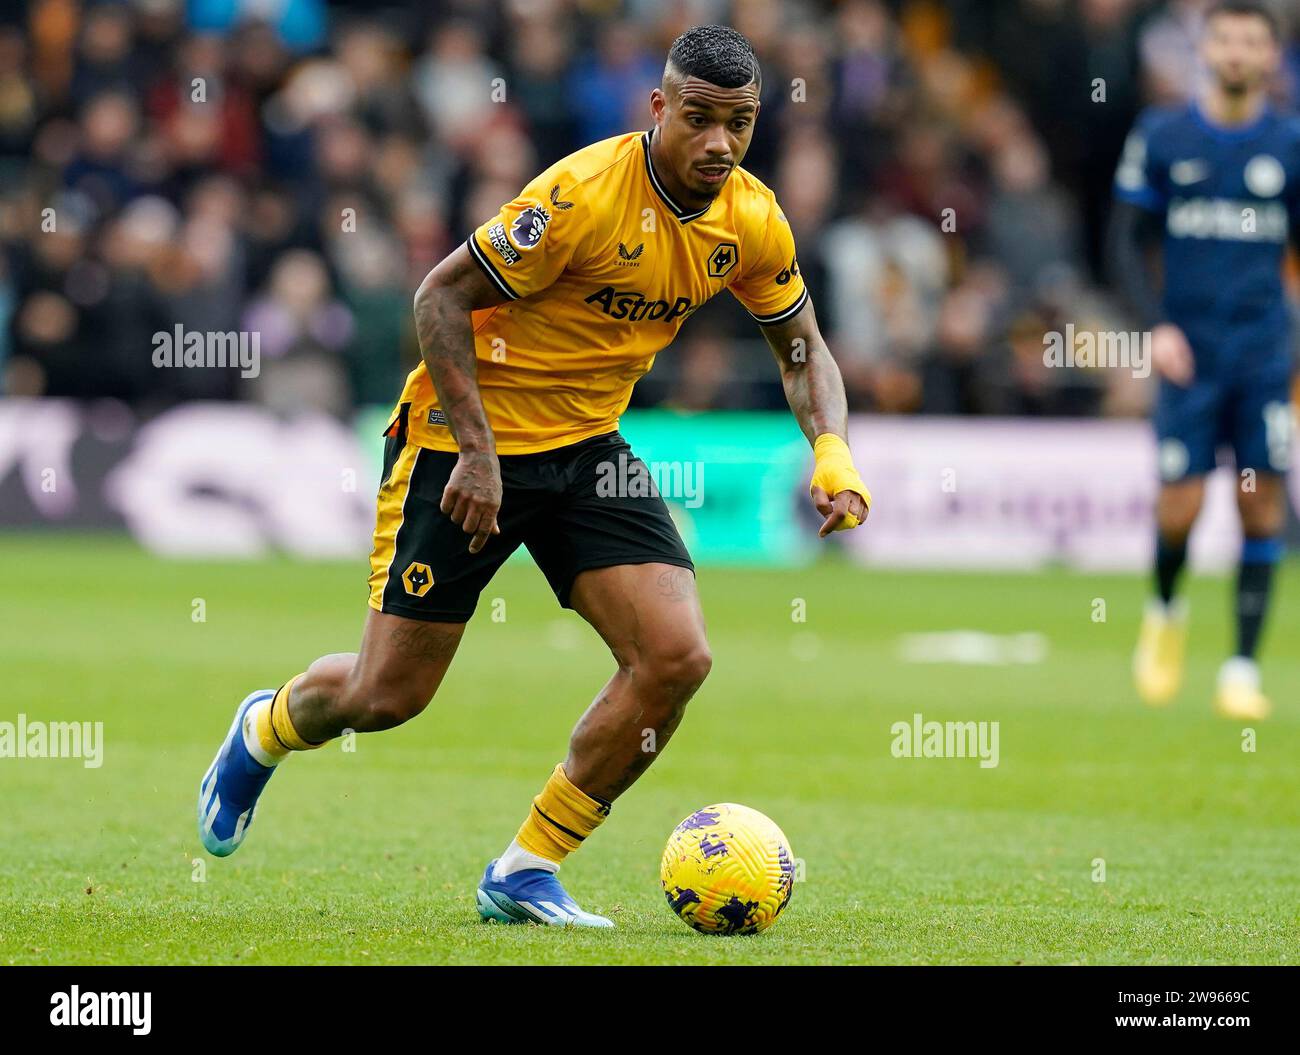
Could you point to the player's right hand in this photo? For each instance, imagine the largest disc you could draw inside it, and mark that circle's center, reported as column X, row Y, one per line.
column 472, row 497
column 1172, row 355
column 846, row 510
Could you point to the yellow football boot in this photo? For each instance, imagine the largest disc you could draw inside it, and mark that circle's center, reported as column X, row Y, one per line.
column 1162, row 645
column 1239, row 696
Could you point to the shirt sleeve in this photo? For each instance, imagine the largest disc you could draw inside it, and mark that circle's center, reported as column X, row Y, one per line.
column 531, row 240
column 770, row 286
column 1137, row 179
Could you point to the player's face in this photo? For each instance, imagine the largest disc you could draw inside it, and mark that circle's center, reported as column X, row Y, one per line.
column 704, row 132
column 1240, row 52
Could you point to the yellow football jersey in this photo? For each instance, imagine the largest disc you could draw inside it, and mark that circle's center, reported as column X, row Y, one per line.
column 601, row 268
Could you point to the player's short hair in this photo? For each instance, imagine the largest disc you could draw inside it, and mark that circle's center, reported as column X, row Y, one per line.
column 1249, row 8
column 717, row 54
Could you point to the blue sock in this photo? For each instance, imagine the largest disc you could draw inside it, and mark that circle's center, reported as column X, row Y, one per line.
column 1259, row 556
column 1170, row 558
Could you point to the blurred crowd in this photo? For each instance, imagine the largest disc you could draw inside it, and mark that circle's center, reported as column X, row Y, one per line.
column 294, row 168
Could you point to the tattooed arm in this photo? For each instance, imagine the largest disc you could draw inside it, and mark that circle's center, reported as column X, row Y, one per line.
column 443, row 303
column 812, row 382
column 815, row 392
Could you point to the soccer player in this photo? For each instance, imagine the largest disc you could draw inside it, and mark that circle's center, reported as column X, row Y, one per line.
column 532, row 335
column 1217, row 182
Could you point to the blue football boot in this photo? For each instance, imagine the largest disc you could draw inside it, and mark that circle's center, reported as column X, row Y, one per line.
column 532, row 895
column 229, row 790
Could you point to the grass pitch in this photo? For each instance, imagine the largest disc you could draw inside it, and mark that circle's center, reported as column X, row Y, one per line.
column 372, row 856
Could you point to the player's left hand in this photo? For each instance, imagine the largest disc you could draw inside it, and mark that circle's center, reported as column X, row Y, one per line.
column 846, row 510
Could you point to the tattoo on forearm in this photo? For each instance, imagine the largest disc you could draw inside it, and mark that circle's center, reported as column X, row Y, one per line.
column 447, row 346
column 815, row 393
column 812, row 382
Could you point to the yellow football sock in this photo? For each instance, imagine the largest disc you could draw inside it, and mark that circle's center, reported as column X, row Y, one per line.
column 563, row 815
column 275, row 731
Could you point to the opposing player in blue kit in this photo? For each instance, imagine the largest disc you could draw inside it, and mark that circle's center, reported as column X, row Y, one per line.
column 1217, row 184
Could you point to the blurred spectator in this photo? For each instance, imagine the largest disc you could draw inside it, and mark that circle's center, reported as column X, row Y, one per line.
column 295, row 168
column 1030, row 226
column 300, row 24
column 1171, row 61
column 886, row 273
column 302, row 331
column 456, row 82
column 608, row 87
column 101, row 169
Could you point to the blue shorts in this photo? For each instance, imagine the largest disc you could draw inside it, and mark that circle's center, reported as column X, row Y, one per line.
column 1252, row 415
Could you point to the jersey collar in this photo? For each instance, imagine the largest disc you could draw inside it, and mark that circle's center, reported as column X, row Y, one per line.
column 1231, row 133
column 682, row 215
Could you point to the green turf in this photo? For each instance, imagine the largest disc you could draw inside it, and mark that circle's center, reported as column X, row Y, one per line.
column 372, row 856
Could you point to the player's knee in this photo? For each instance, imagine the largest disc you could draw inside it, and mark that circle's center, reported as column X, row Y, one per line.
column 1262, row 515
column 694, row 666
column 1261, row 523
column 1177, row 519
column 1176, row 514
column 681, row 668
column 1176, row 529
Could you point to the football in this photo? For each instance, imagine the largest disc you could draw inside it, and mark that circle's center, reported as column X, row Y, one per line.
column 727, row 869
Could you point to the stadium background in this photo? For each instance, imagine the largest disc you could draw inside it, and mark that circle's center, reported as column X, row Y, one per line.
column 231, row 214
column 294, row 169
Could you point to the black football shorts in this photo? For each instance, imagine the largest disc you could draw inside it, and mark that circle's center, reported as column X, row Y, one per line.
column 559, row 503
